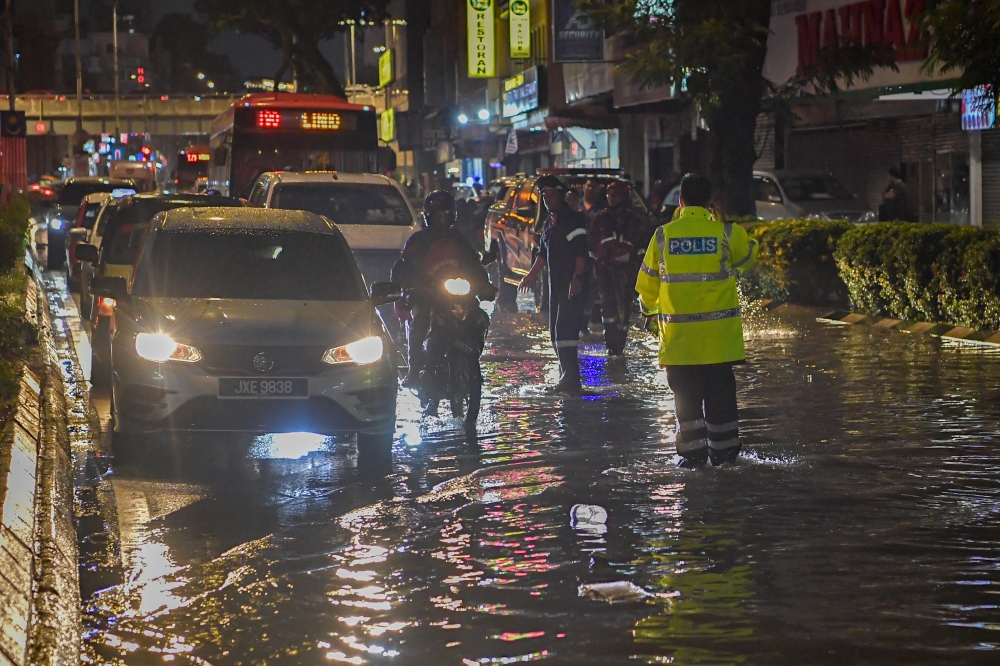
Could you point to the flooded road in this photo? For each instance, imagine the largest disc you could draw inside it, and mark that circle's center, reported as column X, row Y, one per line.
column 861, row 525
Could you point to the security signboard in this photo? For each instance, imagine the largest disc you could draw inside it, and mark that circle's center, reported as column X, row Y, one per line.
column 481, row 39
column 575, row 38
column 385, row 73
column 520, row 29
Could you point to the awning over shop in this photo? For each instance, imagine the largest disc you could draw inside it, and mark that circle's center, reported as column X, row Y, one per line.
column 590, row 122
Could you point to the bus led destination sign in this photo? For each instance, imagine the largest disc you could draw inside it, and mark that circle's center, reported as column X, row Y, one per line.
column 321, row 120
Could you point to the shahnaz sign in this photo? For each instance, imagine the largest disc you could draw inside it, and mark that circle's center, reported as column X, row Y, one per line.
column 801, row 29
column 481, row 43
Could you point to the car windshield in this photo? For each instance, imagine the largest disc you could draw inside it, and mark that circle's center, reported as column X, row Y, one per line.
column 252, row 264
column 814, row 188
column 127, row 223
column 73, row 193
column 345, row 203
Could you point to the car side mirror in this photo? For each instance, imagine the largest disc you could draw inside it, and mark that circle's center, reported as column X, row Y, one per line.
column 87, row 253
column 110, row 287
column 78, row 233
column 385, row 292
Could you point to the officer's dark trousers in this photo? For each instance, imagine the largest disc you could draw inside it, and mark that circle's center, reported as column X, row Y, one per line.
column 617, row 297
column 707, row 417
column 416, row 333
column 565, row 319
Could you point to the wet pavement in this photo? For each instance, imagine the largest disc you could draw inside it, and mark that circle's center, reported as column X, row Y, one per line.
column 860, row 526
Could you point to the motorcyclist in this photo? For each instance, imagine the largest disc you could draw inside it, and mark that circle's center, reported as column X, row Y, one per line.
column 432, row 255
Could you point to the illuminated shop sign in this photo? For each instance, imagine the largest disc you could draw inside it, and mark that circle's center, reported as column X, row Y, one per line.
column 979, row 112
column 387, row 125
column 521, row 92
column 481, row 42
column 520, row 29
column 385, row 73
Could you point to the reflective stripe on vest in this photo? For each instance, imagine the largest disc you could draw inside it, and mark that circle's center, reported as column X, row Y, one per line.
column 723, row 273
column 700, row 316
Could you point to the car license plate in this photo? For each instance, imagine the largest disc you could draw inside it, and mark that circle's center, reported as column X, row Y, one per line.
column 264, row 387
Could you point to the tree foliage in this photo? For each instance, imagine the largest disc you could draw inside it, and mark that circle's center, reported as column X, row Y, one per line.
column 964, row 38
column 714, row 52
column 185, row 43
column 296, row 27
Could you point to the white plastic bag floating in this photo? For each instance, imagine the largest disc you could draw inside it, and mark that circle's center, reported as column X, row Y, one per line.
column 617, row 592
column 588, row 518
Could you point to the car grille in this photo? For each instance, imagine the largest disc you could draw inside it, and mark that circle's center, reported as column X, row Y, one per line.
column 850, row 216
column 237, row 360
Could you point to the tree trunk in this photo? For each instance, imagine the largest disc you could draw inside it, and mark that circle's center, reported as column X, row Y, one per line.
column 734, row 123
column 309, row 50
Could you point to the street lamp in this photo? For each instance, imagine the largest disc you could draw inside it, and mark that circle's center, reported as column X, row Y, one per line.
column 462, row 118
column 484, row 114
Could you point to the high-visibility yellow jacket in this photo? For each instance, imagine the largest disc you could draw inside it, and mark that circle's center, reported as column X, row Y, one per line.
column 688, row 281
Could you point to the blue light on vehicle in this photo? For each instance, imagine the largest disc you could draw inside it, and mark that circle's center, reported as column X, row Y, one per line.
column 56, row 224
column 120, row 192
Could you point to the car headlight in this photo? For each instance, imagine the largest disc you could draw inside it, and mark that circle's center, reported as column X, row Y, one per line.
column 160, row 347
column 362, row 352
column 868, row 216
column 457, row 287
column 56, row 223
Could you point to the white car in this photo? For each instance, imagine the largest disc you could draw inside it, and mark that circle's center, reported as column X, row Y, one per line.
column 372, row 211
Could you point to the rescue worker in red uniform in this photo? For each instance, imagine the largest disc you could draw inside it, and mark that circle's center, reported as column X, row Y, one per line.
column 618, row 237
column 436, row 253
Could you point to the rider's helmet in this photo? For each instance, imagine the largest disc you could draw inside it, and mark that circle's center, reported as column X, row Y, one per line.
column 440, row 211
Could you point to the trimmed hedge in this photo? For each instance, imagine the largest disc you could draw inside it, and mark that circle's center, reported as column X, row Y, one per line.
column 15, row 332
column 796, row 261
column 928, row 272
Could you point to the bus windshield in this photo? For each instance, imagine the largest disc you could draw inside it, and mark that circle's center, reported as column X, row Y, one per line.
column 345, row 203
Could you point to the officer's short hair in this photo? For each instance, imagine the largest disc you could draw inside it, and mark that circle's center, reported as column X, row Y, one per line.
column 895, row 172
column 696, row 190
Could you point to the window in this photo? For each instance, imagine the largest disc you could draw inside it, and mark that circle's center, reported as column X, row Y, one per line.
column 526, row 203
column 250, row 264
column 766, row 190
column 345, row 203
column 256, row 197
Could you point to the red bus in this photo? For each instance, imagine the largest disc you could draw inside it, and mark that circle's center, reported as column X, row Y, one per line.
column 290, row 131
column 192, row 164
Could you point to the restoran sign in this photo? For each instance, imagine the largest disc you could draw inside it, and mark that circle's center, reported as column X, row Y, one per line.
column 481, row 44
column 802, row 28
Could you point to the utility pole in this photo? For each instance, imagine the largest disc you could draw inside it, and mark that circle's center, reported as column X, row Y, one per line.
column 114, row 40
column 79, row 136
column 10, row 55
column 354, row 70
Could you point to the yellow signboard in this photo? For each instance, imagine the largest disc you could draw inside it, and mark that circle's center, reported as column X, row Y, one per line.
column 385, row 73
column 482, row 42
column 387, row 126
column 520, row 29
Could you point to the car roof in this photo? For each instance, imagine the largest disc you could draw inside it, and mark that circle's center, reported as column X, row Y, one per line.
column 248, row 219
column 97, row 197
column 330, row 177
column 785, row 173
column 103, row 181
column 199, row 198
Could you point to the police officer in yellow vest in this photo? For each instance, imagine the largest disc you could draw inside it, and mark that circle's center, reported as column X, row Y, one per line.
column 687, row 285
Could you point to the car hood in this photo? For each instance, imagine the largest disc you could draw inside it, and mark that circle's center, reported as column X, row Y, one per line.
column 257, row 322
column 821, row 206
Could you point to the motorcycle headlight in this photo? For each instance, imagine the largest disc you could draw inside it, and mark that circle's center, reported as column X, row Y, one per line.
column 160, row 347
column 457, row 287
column 56, row 223
column 362, row 352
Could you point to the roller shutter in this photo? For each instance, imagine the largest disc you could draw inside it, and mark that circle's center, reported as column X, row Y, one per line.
column 991, row 178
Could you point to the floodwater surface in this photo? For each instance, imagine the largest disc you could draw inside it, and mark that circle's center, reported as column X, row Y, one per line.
column 859, row 527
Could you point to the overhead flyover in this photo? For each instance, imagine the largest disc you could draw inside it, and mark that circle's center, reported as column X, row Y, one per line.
column 156, row 115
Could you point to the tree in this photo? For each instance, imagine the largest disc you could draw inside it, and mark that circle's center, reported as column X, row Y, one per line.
column 714, row 51
column 184, row 41
column 964, row 37
column 296, row 27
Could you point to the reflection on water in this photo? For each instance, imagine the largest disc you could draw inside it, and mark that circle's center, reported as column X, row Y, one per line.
column 860, row 526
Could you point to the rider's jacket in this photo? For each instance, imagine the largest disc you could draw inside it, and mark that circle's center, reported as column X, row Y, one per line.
column 430, row 257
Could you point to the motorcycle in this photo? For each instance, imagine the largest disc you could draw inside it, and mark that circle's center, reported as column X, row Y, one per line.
column 454, row 343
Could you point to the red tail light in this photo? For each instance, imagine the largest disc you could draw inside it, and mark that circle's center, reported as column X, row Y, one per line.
column 268, row 119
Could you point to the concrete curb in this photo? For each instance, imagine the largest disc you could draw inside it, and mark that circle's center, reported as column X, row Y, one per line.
column 950, row 332
column 39, row 585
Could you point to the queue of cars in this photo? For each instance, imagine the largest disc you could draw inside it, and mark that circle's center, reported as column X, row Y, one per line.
column 210, row 313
